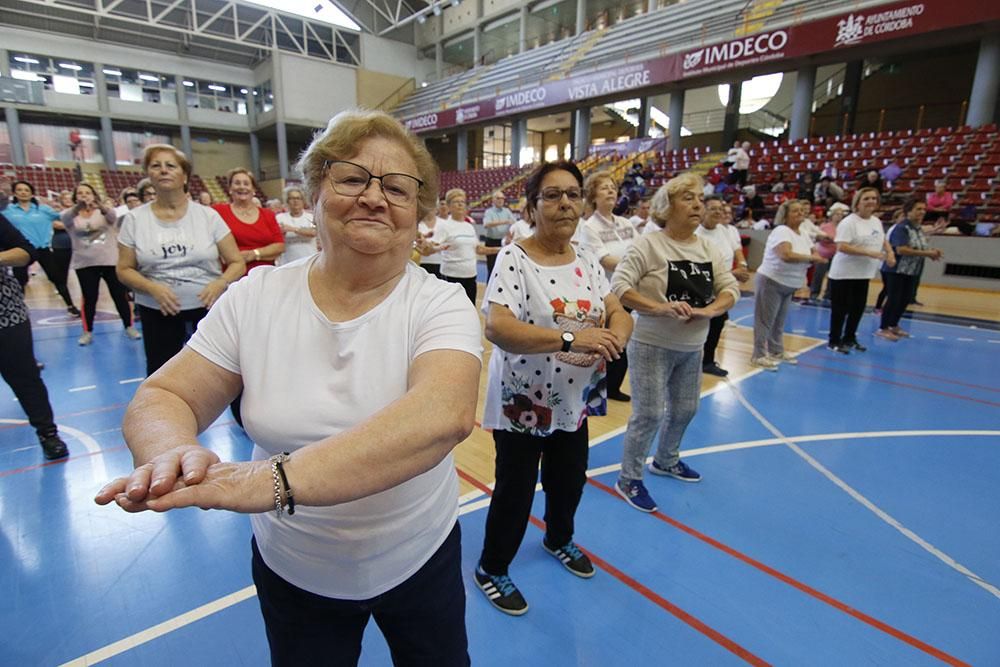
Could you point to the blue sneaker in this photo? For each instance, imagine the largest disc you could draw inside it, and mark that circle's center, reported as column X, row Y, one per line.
column 635, row 494
column 501, row 592
column 679, row 470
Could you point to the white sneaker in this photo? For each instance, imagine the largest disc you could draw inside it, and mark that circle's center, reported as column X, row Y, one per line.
column 86, row 339
column 133, row 333
column 784, row 357
column 765, row 363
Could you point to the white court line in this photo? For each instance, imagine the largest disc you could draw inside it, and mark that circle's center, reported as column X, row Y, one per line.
column 875, row 509
column 86, row 388
column 936, row 337
column 993, row 341
column 967, row 340
column 131, row 380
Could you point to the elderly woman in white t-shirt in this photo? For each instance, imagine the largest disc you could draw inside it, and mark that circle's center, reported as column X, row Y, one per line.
column 352, row 493
column 787, row 256
column 861, row 249
column 555, row 324
column 458, row 244
column 297, row 225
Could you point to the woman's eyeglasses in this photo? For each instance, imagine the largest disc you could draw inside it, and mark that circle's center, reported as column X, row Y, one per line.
column 553, row 195
column 351, row 180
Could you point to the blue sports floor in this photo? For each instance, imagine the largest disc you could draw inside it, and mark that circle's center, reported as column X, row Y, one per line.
column 848, row 515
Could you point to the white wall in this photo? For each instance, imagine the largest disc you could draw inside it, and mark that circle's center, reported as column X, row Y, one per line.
column 389, row 56
column 67, row 102
column 313, row 91
column 219, row 119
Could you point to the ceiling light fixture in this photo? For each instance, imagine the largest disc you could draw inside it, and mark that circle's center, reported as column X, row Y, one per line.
column 72, row 66
column 215, row 86
column 189, row 84
column 437, row 10
column 27, row 60
column 112, row 72
column 421, row 18
column 149, row 77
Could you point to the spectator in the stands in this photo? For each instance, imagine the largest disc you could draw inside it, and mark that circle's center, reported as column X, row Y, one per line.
column 827, row 192
column 807, row 185
column 939, row 202
column 829, row 169
column 730, row 158
column 778, row 182
column 754, row 202
column 497, row 220
column 146, row 190
column 871, row 179
column 741, row 165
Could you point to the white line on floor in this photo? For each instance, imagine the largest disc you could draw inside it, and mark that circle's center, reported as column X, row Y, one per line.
column 993, row 341
column 936, row 337
column 875, row 509
column 131, row 380
column 86, row 388
column 967, row 340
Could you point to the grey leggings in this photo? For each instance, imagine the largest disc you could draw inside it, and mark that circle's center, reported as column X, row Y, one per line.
column 770, row 308
column 666, row 390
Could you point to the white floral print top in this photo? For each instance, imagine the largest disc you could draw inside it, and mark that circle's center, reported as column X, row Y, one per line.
column 537, row 394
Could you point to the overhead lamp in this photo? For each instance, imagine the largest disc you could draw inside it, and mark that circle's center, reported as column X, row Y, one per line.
column 189, row 84
column 215, row 86
column 112, row 72
column 421, row 18
column 72, row 66
column 149, row 77
column 244, row 91
column 456, row 3
column 27, row 60
column 437, row 10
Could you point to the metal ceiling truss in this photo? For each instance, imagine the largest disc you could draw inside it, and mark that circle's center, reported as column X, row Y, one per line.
column 222, row 22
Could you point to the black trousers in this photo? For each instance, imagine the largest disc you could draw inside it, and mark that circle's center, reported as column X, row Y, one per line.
column 163, row 336
column 20, row 372
column 422, row 619
column 616, row 373
column 899, row 289
column 491, row 260
column 715, row 326
column 433, row 269
column 563, row 457
column 469, row 284
column 90, row 284
column 848, row 298
column 55, row 264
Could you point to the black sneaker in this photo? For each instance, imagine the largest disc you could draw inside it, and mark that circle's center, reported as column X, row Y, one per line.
column 572, row 559
column 619, row 396
column 856, row 346
column 501, row 592
column 841, row 349
column 53, row 447
column 714, row 369
column 73, row 310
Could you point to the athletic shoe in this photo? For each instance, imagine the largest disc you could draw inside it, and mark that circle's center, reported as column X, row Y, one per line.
column 133, row 333
column 53, row 447
column 572, row 559
column 635, row 494
column 784, row 357
column 86, row 339
column 765, row 363
column 619, row 396
column 714, row 369
column 856, row 346
column 73, row 310
column 501, row 592
column 679, row 470
column 841, row 349
column 900, row 332
column 887, row 334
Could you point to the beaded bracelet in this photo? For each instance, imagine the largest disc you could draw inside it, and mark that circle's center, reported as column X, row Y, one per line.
column 280, row 482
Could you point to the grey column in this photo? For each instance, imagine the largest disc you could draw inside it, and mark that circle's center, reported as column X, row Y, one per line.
column 4, row 62
column 581, row 133
column 518, row 140
column 805, row 84
column 255, row 154
column 849, row 98
column 439, row 59
column 476, row 55
column 731, row 124
column 16, row 140
column 983, row 100
column 106, row 134
column 581, row 16
column 643, row 129
column 462, row 150
column 676, row 116
column 186, row 143
column 652, row 6
column 522, row 33
column 282, row 140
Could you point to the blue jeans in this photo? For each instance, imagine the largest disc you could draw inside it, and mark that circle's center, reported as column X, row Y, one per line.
column 423, row 618
column 666, row 390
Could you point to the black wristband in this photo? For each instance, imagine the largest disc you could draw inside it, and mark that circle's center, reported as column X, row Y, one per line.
column 289, row 498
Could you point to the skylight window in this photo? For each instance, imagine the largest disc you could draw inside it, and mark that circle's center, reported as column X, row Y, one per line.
column 319, row 10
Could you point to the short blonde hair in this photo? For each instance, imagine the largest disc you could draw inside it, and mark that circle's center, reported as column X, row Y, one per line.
column 860, row 193
column 659, row 205
column 454, row 193
column 149, row 151
column 236, row 171
column 593, row 182
column 340, row 139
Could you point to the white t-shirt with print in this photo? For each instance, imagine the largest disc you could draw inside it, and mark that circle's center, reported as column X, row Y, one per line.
column 865, row 233
column 721, row 239
column 605, row 237
column 296, row 246
column 789, row 274
column 305, row 379
column 540, row 393
column 183, row 255
column 458, row 255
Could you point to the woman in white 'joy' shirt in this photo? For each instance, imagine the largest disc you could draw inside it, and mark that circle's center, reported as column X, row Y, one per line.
column 459, row 244
column 787, row 257
column 861, row 248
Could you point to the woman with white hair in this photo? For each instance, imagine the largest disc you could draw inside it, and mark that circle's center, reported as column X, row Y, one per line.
column 939, row 202
column 676, row 281
column 297, row 226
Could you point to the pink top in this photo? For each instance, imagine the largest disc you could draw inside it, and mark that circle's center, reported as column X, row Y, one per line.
column 943, row 202
column 827, row 248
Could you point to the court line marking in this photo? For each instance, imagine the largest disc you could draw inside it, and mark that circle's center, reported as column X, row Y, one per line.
column 131, row 380
column 967, row 340
column 84, row 388
column 868, row 504
column 896, row 371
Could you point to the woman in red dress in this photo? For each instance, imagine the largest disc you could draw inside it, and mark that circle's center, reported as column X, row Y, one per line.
column 255, row 229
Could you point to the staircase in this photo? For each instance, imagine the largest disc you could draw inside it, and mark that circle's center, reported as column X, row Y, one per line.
column 567, row 64
column 93, row 179
column 706, row 163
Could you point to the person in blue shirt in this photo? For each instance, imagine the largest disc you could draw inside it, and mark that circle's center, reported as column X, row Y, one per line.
column 34, row 221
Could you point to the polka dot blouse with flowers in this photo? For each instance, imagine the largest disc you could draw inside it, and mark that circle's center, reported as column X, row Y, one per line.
column 537, row 394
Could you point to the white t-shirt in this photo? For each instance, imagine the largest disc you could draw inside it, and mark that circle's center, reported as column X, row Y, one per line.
column 809, row 229
column 182, row 254
column 605, row 237
column 741, row 160
column 865, row 233
column 536, row 394
column 458, row 256
column 721, row 239
column 638, row 222
column 789, row 274
column 428, row 233
column 296, row 246
column 306, row 378
column 520, row 230
column 650, row 228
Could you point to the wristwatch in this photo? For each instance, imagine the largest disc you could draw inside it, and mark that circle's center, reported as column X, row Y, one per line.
column 567, row 339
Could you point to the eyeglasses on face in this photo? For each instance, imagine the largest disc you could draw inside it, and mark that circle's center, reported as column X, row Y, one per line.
column 351, row 180
column 553, row 195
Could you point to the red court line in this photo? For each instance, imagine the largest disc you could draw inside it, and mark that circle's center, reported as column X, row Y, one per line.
column 905, row 385
column 794, row 583
column 896, row 371
column 75, row 457
column 650, row 595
